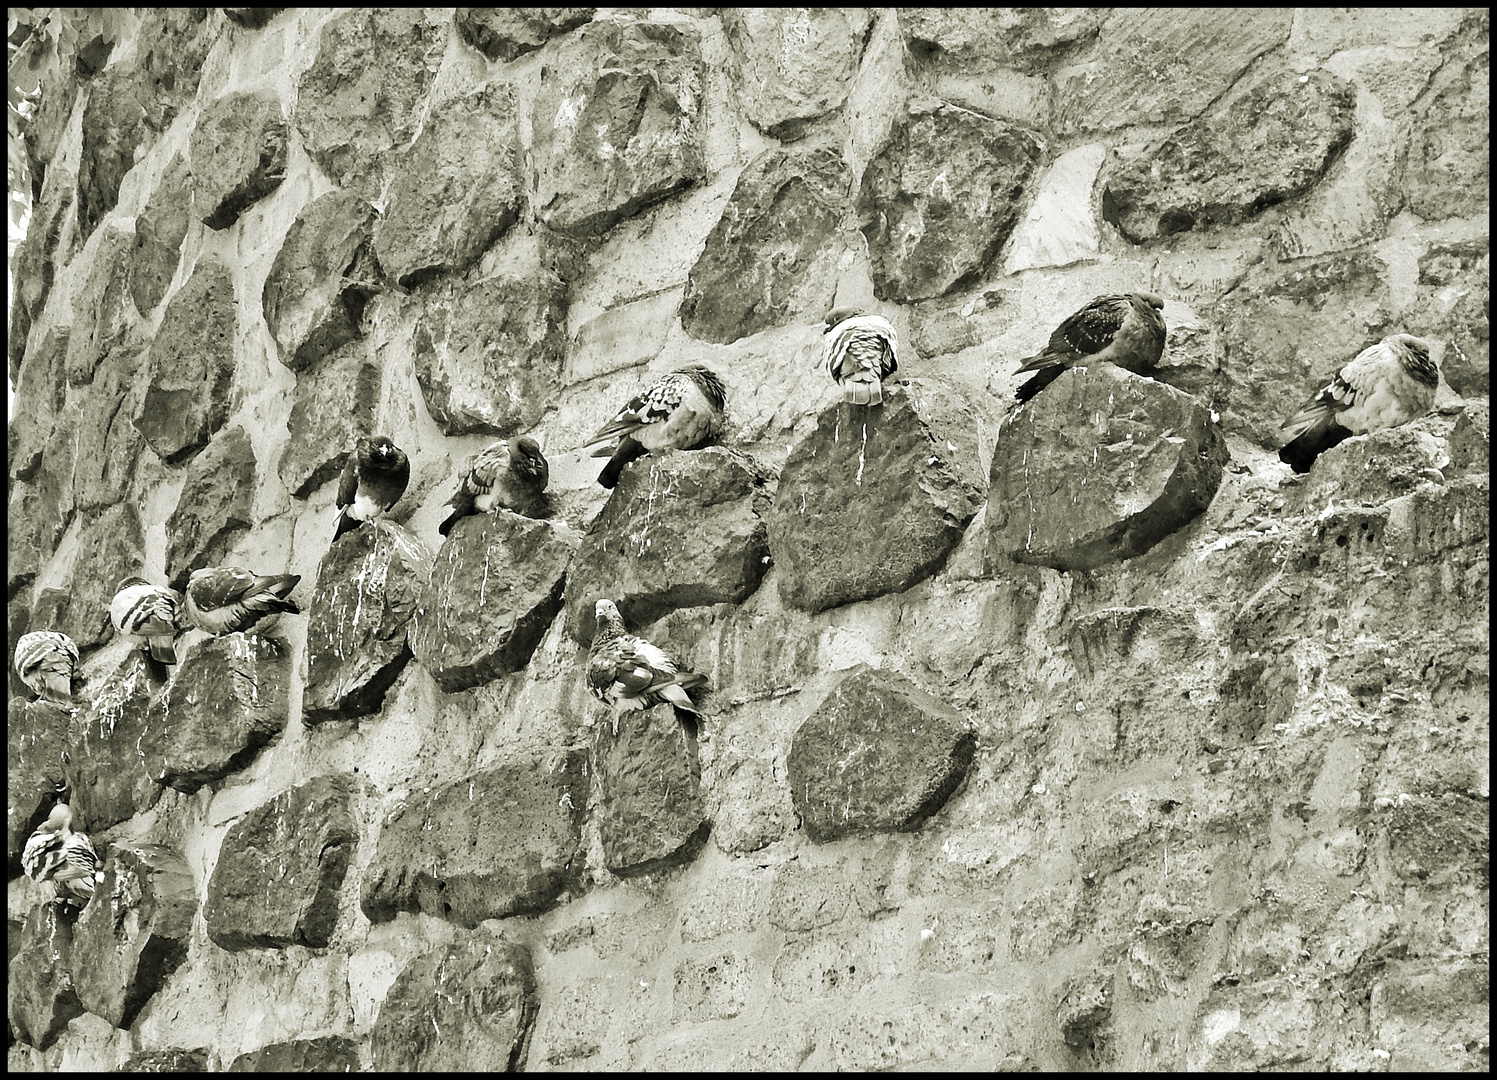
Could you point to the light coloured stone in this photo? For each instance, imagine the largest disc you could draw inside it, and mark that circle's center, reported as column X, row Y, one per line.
column 626, row 336
column 1060, row 227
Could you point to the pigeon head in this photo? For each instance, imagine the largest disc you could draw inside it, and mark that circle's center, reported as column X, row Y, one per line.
column 60, row 818
column 840, row 314
column 609, row 620
column 710, row 382
column 530, row 460
column 1418, row 346
column 125, row 583
column 381, row 449
column 1152, row 299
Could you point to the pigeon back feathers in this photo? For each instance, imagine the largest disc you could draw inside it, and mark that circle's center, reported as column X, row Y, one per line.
column 512, row 474
column 47, row 663
column 859, row 352
column 229, row 599
column 1126, row 329
column 682, row 410
column 55, row 853
column 147, row 613
column 628, row 672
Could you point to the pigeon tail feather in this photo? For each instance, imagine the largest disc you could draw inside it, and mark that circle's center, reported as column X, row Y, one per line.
column 630, row 449
column 1045, row 377
column 162, row 650
column 346, row 523
column 673, row 693
column 863, row 389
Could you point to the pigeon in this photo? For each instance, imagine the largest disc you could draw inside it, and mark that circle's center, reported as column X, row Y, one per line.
column 510, row 474
column 147, row 613
column 373, row 481
column 679, row 411
column 227, row 599
column 1126, row 329
column 859, row 351
column 47, row 662
column 627, row 672
column 1386, row 385
column 66, row 858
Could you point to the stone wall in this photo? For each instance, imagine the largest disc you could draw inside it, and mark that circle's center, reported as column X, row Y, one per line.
column 1089, row 739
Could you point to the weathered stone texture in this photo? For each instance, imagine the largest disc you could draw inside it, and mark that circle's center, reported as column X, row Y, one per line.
column 280, row 869
column 214, row 509
column 104, row 771
column 238, row 155
column 1060, row 228
column 332, row 407
column 111, row 545
column 252, row 18
column 170, row 1060
column 794, row 64
column 503, row 841
column 35, row 259
column 876, row 498
column 329, row 1054
column 1446, row 168
column 495, row 586
column 1102, row 466
column 159, row 232
column 103, row 312
column 40, row 997
column 651, row 812
column 35, row 741
column 940, row 197
column 1028, row 39
column 508, row 33
column 772, row 258
column 1471, row 440
column 107, row 440
column 42, row 392
column 1453, row 306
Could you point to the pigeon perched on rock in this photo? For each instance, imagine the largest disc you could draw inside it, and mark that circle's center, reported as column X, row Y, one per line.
column 859, row 351
column 227, row 599
column 1126, row 329
column 628, row 673
column 679, row 411
column 1385, row 385
column 148, row 614
column 373, row 481
column 47, row 663
column 511, row 474
column 66, row 858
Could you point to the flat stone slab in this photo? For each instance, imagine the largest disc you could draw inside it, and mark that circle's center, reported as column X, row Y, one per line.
column 651, row 811
column 333, row 404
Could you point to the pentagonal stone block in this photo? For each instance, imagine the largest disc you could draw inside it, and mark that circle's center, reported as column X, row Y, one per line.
column 135, row 932
column 468, row 1005
column 1100, row 471
column 238, row 152
column 333, row 404
column 280, row 869
column 875, row 498
column 617, row 123
column 503, row 841
column 41, row 999
column 228, row 698
column 110, row 546
column 682, row 530
column 651, row 812
column 367, row 587
column 506, row 33
column 772, row 257
column 940, row 197
column 36, row 737
column 103, row 311
column 331, row 1053
column 495, row 586
column 878, row 755
column 794, row 64
column 215, row 507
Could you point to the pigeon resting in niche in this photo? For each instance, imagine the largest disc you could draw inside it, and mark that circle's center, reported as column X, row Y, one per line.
column 66, row 858
column 859, row 352
column 373, row 481
column 1386, row 385
column 227, row 599
column 1126, row 329
column 512, row 474
column 148, row 614
column 628, row 673
column 47, row 663
column 679, row 411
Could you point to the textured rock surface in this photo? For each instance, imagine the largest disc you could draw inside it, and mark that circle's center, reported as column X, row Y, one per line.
column 508, row 33
column 367, row 588
column 940, row 197
column 102, row 308
column 110, row 543
column 35, row 259
column 1455, row 284
column 135, row 932
column 35, row 740
column 44, row 383
column 651, row 813
column 333, row 405
column 169, row 1060
column 1442, row 179
column 878, row 754
column 495, row 586
column 280, row 870
column 214, row 509
column 1059, row 228
column 875, row 499
column 40, row 997
column 238, row 155
column 794, row 64
column 1102, row 466
column 108, row 443
column 331, row 1053
column 159, row 232
column 1471, row 440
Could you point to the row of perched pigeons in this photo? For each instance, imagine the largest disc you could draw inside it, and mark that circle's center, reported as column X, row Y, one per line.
column 1388, row 384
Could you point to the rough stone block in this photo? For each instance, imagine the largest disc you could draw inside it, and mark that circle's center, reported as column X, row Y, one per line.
column 332, row 406
column 104, row 770
column 1452, row 305
column 1100, row 467
column 712, row 988
column 1371, row 469
column 35, row 741
column 41, row 394
column 878, row 755
column 214, row 509
column 1433, row 1015
column 804, row 898
column 1059, row 228
column 794, row 64
column 629, row 335
column 1471, row 440
column 329, row 1054
column 172, row 1059
column 111, row 544
column 103, row 312
column 876, row 498
column 108, row 443
column 1446, row 171
column 40, row 998
column 508, row 33
column 651, row 813
column 49, row 242
column 238, row 150
column 1030, row 40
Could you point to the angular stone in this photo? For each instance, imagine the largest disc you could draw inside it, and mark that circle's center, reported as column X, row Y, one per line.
column 322, row 278
column 192, row 364
column 494, row 589
column 1030, row 40
column 104, row 771
column 773, row 256
column 351, row 111
column 507, row 33
column 465, row 1006
column 135, row 932
column 1162, row 65
column 159, row 232
column 1435, row 1013
column 617, row 123
column 683, row 530
column 1471, row 440
column 940, row 197
column 214, row 509
column 108, row 442
column 1447, row 168
column 1370, row 469
column 39, row 514
column 460, row 187
column 103, row 312
column 1214, row 171
column 252, row 19
column 280, row 869
column 35, row 741
column 1100, row 467
column 35, row 259
column 238, row 152
column 111, row 546
column 1455, row 285
column 1060, row 228
column 332, row 406
column 879, row 754
column 875, row 498
column 794, row 64
column 41, row 999
column 169, row 1060
column 330, row 1053
column 651, row 813
column 489, row 353
column 40, row 396
column 228, row 698
column 502, row 841
column 367, row 588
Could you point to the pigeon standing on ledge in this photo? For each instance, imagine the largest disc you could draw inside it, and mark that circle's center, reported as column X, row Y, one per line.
column 227, row 599
column 147, row 613
column 66, row 858
column 859, row 351
column 47, row 662
column 510, row 474
column 679, row 411
column 628, row 673
column 373, row 481
column 1126, row 329
column 1386, row 385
